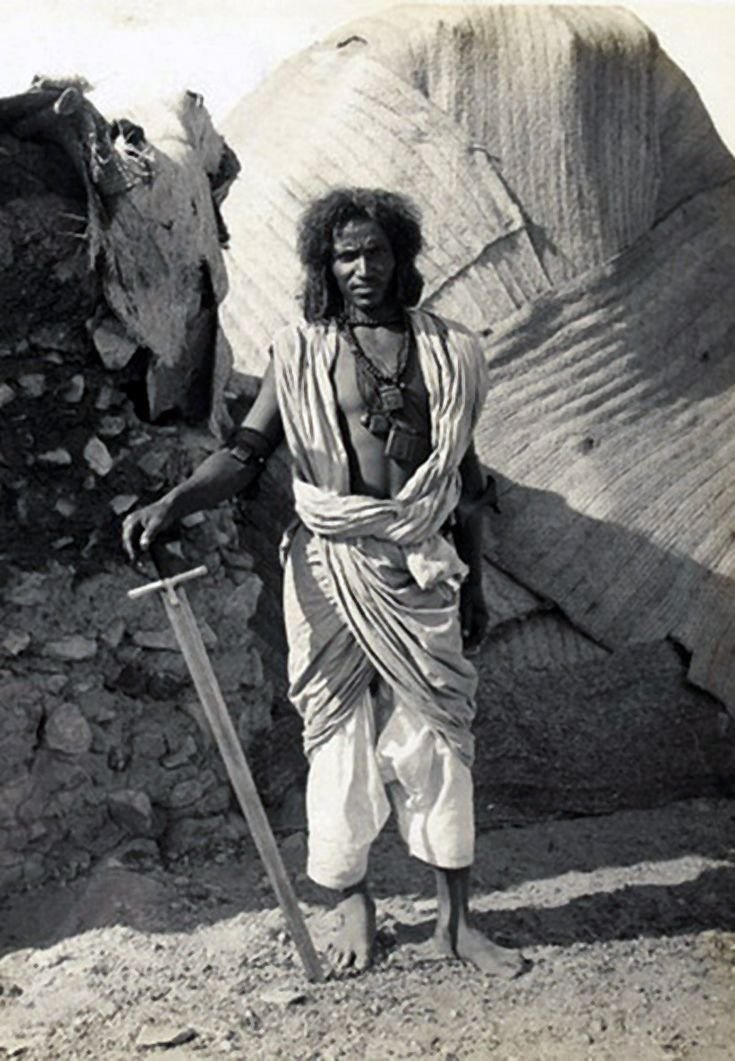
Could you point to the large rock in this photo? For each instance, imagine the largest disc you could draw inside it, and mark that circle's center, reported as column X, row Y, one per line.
column 113, row 896
column 586, row 234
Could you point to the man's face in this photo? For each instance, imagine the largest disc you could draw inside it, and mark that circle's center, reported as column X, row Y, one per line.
column 363, row 265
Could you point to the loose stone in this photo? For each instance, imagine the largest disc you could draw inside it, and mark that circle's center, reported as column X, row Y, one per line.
column 132, row 809
column 65, row 507
column 111, row 426
column 33, row 384
column 123, row 503
column 98, row 456
column 115, row 349
column 67, row 730
column 16, row 642
column 75, row 647
column 74, row 392
column 56, row 456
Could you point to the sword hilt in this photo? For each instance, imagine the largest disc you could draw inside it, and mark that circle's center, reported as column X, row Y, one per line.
column 168, row 585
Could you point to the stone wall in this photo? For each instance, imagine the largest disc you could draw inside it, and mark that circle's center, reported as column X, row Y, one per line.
column 103, row 747
column 102, row 744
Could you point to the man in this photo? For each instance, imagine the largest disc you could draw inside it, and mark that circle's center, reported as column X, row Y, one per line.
column 378, row 402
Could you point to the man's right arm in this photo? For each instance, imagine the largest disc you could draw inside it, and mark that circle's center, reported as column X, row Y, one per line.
column 222, row 475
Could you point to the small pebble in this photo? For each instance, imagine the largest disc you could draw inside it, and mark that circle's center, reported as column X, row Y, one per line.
column 123, row 503
column 74, row 392
column 283, row 996
column 59, row 456
column 98, row 456
column 33, row 384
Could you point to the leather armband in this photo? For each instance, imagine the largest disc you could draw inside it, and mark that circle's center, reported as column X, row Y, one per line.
column 250, row 447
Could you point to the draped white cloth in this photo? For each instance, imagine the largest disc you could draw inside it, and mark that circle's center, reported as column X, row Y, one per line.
column 372, row 585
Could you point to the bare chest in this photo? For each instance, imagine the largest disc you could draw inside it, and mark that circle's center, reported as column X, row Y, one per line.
column 377, row 467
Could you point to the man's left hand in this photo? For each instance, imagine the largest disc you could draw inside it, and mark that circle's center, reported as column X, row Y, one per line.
column 473, row 616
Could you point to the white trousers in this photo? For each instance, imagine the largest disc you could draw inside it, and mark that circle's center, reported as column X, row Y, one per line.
column 364, row 770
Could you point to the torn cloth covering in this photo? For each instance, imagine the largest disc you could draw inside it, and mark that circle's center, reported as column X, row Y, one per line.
column 153, row 188
column 373, row 587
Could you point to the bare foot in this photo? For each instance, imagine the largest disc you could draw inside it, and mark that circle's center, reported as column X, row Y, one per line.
column 351, row 947
column 471, row 946
column 456, row 938
column 488, row 957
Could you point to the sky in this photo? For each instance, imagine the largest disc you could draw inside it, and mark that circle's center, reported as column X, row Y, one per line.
column 136, row 48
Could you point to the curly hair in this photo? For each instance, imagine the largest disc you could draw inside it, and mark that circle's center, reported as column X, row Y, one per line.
column 398, row 217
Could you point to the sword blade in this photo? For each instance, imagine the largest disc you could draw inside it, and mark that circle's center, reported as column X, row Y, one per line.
column 205, row 681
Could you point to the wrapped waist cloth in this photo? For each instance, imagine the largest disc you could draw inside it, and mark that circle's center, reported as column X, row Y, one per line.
column 353, row 609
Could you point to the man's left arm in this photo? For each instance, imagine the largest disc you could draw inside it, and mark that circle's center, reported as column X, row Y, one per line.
column 478, row 492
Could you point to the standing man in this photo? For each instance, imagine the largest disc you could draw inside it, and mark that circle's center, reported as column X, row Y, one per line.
column 382, row 587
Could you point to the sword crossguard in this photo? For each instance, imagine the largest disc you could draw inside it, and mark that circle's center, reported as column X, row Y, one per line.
column 168, row 585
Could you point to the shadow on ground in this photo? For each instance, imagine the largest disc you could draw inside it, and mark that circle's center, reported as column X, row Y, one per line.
column 654, row 873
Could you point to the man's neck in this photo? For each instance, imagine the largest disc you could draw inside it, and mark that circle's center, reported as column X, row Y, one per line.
column 380, row 317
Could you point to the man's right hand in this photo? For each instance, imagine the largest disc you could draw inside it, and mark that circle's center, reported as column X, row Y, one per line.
column 141, row 526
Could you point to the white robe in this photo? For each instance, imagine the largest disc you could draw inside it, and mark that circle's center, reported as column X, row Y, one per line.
column 374, row 585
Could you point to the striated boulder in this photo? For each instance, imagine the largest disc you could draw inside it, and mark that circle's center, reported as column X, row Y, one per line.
column 579, row 213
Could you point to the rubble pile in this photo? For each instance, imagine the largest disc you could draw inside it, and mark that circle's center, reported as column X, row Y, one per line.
column 101, row 739
column 103, row 748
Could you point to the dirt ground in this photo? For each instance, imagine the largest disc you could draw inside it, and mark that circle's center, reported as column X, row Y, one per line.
column 628, row 920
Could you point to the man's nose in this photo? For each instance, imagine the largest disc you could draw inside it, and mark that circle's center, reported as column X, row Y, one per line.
column 362, row 265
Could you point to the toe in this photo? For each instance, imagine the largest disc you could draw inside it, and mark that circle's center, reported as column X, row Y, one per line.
column 343, row 959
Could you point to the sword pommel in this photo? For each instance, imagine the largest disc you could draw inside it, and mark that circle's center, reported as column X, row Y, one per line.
column 167, row 585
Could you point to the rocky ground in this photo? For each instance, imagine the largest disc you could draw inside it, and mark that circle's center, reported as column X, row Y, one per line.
column 627, row 918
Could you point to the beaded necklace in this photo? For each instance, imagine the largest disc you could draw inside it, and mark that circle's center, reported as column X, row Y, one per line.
column 382, row 392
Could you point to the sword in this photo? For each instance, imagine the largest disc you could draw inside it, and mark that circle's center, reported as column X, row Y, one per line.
column 205, row 681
